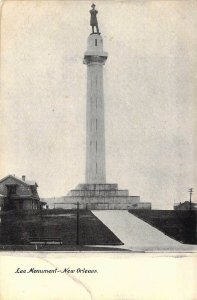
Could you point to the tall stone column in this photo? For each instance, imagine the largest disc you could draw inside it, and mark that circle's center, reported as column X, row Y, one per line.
column 95, row 58
column 95, row 193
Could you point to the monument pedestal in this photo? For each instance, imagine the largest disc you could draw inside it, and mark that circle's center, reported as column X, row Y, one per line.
column 101, row 197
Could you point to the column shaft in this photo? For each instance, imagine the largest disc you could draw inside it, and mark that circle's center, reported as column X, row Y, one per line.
column 95, row 126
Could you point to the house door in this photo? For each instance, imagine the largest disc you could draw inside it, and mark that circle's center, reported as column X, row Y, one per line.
column 20, row 204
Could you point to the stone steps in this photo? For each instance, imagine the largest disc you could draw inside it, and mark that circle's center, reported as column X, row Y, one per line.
column 101, row 197
column 107, row 186
column 98, row 193
column 100, row 202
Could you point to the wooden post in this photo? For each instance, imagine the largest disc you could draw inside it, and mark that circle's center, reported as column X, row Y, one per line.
column 77, row 223
column 190, row 198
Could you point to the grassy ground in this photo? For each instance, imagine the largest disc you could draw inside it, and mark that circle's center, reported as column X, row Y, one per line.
column 17, row 227
column 177, row 224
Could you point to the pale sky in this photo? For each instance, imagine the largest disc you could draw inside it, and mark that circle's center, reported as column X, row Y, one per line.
column 149, row 87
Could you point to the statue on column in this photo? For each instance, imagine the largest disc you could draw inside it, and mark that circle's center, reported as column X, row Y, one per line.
column 93, row 19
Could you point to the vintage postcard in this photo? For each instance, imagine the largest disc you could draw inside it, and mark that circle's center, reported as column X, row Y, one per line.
column 98, row 150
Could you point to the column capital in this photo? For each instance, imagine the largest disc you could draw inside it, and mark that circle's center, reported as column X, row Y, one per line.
column 94, row 59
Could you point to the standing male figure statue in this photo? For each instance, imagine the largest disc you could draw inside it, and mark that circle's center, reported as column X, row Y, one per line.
column 93, row 19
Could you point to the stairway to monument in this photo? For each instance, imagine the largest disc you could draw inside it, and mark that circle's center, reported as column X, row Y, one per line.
column 137, row 234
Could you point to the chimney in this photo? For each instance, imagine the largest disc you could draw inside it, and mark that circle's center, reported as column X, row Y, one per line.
column 23, row 177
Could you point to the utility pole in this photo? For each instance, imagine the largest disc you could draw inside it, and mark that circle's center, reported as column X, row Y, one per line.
column 190, row 198
column 77, row 242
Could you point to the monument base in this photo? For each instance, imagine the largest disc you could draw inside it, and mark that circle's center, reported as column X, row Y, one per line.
column 101, row 197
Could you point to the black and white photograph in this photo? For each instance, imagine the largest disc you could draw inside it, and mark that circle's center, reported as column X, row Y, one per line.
column 98, row 132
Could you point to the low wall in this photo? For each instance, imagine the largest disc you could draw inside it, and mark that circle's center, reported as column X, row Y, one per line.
column 143, row 205
column 110, row 200
column 95, row 206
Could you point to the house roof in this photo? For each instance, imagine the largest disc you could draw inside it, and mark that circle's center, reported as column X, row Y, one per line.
column 26, row 182
column 43, row 202
column 186, row 203
column 30, row 182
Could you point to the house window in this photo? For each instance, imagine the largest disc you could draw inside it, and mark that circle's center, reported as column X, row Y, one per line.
column 95, row 42
column 11, row 189
column 33, row 190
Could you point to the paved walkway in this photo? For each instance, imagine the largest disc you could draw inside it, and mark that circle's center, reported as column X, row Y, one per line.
column 136, row 234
